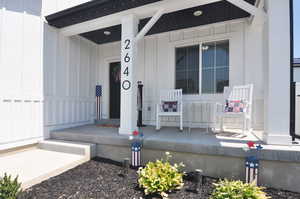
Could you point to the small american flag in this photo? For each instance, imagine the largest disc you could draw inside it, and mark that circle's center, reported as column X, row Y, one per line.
column 136, row 154
column 98, row 101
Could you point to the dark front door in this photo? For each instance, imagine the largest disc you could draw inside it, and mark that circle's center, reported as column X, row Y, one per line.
column 115, row 89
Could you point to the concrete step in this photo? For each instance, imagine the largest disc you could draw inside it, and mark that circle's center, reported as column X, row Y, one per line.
column 87, row 150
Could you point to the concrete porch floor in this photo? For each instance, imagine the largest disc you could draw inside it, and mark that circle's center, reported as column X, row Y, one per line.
column 171, row 139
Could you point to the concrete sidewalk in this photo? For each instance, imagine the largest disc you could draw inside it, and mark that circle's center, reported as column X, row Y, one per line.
column 36, row 165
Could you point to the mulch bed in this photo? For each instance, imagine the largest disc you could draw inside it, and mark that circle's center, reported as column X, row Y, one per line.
column 100, row 178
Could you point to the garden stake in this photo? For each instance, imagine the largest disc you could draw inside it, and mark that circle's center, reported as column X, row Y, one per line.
column 199, row 180
column 136, row 146
column 126, row 167
column 252, row 164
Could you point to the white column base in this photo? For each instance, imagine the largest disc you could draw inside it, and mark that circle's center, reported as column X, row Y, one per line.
column 283, row 139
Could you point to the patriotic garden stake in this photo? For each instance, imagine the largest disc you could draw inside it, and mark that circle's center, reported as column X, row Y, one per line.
column 136, row 147
column 98, row 102
column 252, row 163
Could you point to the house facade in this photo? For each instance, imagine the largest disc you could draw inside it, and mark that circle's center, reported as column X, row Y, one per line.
column 296, row 65
column 52, row 56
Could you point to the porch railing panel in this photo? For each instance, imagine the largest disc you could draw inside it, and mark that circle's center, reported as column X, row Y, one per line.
column 21, row 121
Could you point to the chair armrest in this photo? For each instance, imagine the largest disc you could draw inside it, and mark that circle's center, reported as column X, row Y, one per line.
column 158, row 110
column 179, row 108
column 247, row 107
column 219, row 104
column 219, row 107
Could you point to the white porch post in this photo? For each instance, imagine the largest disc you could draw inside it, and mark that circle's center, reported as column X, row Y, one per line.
column 277, row 92
column 128, row 118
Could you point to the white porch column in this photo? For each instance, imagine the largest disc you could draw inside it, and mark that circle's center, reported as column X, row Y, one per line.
column 128, row 81
column 277, row 92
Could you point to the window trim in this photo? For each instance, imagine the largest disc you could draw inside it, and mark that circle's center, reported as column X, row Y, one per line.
column 187, row 43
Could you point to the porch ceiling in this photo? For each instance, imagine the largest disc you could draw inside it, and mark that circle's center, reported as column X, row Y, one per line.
column 212, row 13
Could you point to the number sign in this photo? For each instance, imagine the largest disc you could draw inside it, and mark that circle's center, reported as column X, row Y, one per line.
column 126, row 84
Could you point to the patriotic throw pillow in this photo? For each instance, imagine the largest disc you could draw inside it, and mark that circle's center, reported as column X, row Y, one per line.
column 235, row 106
column 169, row 106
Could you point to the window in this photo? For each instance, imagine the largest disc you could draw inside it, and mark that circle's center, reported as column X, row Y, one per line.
column 215, row 66
column 187, row 69
column 214, row 70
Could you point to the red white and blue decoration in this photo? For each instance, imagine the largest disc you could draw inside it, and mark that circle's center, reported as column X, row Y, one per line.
column 136, row 154
column 252, row 163
column 235, row 106
column 170, row 106
column 98, row 102
column 136, row 147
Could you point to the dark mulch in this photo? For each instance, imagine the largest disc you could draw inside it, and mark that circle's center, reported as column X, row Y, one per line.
column 99, row 179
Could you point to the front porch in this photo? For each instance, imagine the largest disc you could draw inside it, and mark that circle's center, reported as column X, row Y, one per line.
column 152, row 44
column 213, row 47
column 218, row 155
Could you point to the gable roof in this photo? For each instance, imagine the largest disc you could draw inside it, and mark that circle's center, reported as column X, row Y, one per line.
column 92, row 10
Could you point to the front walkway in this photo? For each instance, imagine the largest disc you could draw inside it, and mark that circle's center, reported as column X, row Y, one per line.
column 34, row 165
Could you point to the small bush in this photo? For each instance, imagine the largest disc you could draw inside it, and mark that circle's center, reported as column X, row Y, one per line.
column 226, row 189
column 9, row 188
column 161, row 177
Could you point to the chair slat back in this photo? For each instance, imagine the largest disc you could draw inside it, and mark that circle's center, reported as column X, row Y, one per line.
column 171, row 95
column 244, row 93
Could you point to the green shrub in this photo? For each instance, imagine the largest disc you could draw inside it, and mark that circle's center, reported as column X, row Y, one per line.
column 161, row 177
column 9, row 188
column 226, row 189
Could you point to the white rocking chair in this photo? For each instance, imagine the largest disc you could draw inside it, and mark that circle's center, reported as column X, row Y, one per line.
column 243, row 93
column 174, row 95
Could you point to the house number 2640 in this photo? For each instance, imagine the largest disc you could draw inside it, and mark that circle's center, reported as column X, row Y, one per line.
column 126, row 84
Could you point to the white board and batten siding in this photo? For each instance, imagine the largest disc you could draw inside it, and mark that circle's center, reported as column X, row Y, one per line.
column 70, row 77
column 156, row 66
column 70, row 68
column 21, row 86
column 33, row 61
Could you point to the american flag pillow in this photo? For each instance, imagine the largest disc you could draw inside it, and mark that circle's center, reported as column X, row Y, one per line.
column 235, row 106
column 169, row 106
